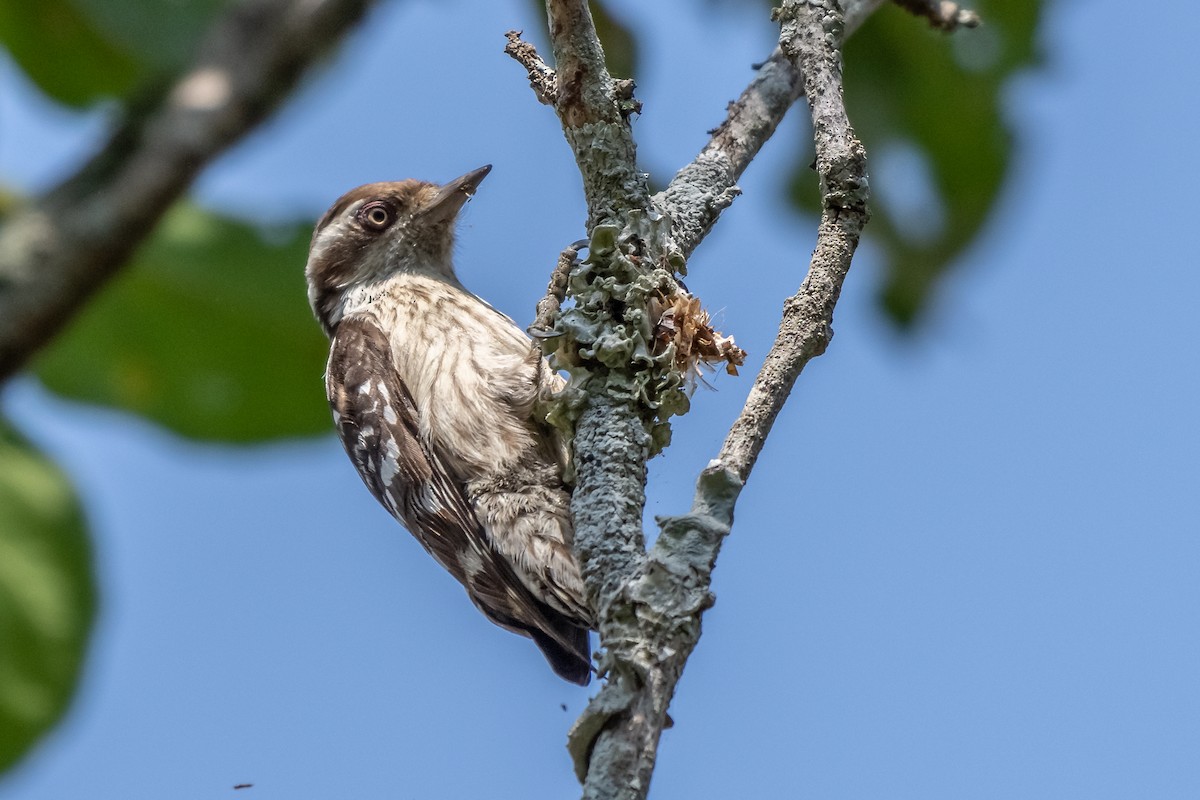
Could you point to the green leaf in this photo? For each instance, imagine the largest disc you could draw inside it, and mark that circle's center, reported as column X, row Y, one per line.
column 47, row 597
column 207, row 332
column 939, row 98
column 620, row 46
column 64, row 53
column 162, row 33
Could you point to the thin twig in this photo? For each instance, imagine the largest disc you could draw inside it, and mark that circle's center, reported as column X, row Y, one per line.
column 58, row 251
column 704, row 188
column 548, row 307
column 807, row 324
column 542, row 79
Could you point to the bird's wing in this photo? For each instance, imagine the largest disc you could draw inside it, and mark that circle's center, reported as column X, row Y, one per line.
column 377, row 422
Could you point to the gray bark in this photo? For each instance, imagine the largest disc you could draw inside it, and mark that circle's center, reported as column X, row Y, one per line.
column 650, row 604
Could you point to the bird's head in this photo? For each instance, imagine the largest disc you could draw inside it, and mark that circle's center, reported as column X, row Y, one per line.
column 379, row 230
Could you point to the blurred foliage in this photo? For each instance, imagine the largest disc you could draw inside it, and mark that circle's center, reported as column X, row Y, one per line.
column 162, row 34
column 620, row 45
column 937, row 100
column 47, row 597
column 81, row 51
column 63, row 53
column 207, row 332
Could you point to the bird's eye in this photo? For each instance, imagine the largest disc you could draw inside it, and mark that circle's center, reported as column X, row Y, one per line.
column 376, row 216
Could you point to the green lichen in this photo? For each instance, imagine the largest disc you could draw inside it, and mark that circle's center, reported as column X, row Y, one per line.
column 606, row 341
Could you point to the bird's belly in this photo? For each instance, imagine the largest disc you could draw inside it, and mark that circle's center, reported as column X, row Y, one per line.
column 474, row 396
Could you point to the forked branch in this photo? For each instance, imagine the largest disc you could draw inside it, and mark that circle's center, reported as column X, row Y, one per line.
column 651, row 603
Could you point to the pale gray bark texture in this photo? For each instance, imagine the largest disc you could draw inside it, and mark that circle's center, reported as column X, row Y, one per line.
column 707, row 186
column 56, row 252
column 650, row 603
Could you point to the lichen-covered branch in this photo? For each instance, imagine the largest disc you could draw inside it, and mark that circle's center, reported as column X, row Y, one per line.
column 651, row 605
column 594, row 112
column 611, row 437
column 620, row 386
column 57, row 251
column 542, row 79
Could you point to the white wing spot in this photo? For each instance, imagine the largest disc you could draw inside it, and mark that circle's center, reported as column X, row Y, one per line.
column 430, row 500
column 389, row 465
column 471, row 563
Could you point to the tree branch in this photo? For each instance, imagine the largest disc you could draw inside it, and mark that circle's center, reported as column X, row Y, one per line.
column 611, row 442
column 807, row 324
column 704, row 188
column 856, row 13
column 594, row 117
column 549, row 306
column 699, row 192
column 57, row 252
column 652, row 622
column 542, row 79
column 606, row 342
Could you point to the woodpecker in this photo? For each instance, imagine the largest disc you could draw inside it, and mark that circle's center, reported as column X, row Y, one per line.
column 433, row 394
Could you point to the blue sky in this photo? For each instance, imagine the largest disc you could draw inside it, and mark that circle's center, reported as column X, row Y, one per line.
column 965, row 566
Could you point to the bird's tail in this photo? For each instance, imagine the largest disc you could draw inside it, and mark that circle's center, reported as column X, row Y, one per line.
column 572, row 663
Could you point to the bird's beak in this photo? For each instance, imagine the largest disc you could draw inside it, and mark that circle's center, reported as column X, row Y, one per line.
column 453, row 196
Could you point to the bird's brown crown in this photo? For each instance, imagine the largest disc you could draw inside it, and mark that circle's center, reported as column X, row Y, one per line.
column 380, row 229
